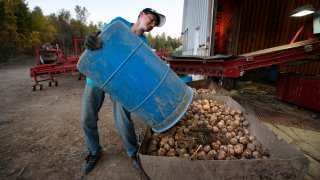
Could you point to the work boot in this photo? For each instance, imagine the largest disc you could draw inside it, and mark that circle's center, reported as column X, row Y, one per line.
column 136, row 163
column 90, row 162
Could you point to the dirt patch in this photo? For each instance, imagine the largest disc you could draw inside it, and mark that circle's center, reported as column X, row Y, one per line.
column 40, row 131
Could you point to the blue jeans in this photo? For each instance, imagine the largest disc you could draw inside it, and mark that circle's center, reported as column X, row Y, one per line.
column 93, row 98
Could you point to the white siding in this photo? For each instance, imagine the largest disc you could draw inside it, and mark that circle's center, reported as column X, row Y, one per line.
column 196, row 17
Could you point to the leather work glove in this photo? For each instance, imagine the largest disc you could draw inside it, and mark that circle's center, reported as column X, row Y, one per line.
column 92, row 41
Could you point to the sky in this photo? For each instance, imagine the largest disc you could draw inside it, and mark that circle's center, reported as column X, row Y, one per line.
column 106, row 10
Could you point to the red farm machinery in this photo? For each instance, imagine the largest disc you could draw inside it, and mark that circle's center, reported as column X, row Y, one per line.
column 51, row 62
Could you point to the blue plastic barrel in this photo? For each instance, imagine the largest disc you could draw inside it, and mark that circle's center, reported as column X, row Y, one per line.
column 127, row 69
column 186, row 79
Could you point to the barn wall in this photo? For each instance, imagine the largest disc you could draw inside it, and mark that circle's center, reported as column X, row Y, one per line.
column 244, row 26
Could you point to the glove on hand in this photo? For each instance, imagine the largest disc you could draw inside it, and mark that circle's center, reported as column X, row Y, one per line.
column 92, row 41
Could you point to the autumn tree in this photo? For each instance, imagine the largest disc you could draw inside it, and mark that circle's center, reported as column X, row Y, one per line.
column 11, row 35
column 42, row 30
column 78, row 26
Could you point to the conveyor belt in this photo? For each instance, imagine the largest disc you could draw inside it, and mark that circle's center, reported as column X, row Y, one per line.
column 235, row 66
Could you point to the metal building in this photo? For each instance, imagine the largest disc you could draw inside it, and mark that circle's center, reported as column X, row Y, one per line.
column 235, row 27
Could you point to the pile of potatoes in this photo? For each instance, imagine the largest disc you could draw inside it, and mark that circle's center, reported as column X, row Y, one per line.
column 203, row 91
column 208, row 131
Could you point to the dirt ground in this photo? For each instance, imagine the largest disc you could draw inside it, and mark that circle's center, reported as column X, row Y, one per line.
column 40, row 131
column 41, row 137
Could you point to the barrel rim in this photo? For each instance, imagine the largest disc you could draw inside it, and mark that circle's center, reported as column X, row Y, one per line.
column 177, row 114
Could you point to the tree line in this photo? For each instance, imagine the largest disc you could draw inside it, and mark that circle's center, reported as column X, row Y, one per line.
column 23, row 30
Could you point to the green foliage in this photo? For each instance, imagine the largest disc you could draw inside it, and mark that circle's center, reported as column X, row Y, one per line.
column 9, row 35
column 163, row 42
column 41, row 24
column 23, row 18
column 32, row 40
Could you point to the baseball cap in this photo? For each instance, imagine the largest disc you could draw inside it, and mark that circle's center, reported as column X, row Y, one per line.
column 161, row 18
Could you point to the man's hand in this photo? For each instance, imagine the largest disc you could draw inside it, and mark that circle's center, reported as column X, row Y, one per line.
column 92, row 41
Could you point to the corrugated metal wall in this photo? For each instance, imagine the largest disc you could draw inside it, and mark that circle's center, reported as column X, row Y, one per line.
column 196, row 27
column 310, row 68
column 244, row 26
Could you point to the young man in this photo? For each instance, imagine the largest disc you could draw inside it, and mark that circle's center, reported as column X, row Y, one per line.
column 93, row 96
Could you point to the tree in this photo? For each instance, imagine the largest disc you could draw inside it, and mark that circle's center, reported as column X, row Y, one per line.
column 156, row 42
column 23, row 17
column 41, row 26
column 162, row 42
column 150, row 39
column 170, row 43
column 78, row 29
column 78, row 26
column 99, row 25
column 82, row 14
column 9, row 36
column 62, row 22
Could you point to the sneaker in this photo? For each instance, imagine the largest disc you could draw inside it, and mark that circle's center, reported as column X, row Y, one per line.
column 90, row 162
column 136, row 163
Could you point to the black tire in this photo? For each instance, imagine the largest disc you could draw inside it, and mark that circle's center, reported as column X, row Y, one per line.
column 50, row 84
column 56, row 83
